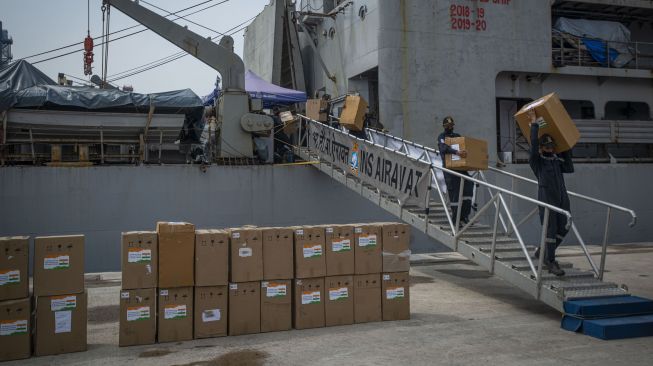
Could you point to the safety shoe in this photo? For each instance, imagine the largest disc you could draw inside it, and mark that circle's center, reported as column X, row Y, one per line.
column 554, row 268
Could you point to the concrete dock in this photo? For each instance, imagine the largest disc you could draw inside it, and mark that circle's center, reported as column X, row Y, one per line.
column 460, row 316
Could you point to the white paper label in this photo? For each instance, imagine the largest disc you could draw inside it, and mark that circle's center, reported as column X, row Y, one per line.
column 299, row 232
column 367, row 240
column 235, row 236
column 233, row 286
column 138, row 313
column 329, row 230
column 163, row 292
column 124, row 295
column 58, row 303
column 174, row 312
column 358, row 230
column 310, row 297
column 343, row 245
column 63, row 321
column 455, row 157
column 136, row 255
column 11, row 327
column 245, row 252
column 386, row 277
column 276, row 290
column 311, row 251
column 8, row 277
column 341, row 293
column 56, row 262
column 394, row 293
column 211, row 315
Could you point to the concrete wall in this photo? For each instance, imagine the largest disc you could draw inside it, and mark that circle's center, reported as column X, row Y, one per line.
column 101, row 202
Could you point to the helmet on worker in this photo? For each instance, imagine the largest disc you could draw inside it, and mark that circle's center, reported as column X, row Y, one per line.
column 547, row 143
column 448, row 123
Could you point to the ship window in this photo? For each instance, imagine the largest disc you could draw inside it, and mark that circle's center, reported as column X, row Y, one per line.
column 579, row 109
column 633, row 111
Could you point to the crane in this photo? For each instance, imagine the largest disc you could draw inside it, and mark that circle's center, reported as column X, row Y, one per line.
column 237, row 122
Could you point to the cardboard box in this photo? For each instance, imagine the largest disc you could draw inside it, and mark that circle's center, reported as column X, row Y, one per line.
column 175, row 319
column 558, row 122
column 353, row 113
column 396, row 296
column 278, row 254
column 15, row 318
column 314, row 108
column 60, row 324
column 396, row 247
column 244, row 308
column 211, row 258
column 476, row 159
column 58, row 265
column 309, row 252
column 367, row 298
column 137, row 317
column 14, row 266
column 309, row 303
column 246, row 258
column 339, row 303
column 176, row 254
column 368, row 239
column 339, row 245
column 211, row 312
column 276, row 305
column 140, row 260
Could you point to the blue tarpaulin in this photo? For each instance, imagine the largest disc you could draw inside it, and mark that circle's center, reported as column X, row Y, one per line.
column 258, row 88
column 596, row 48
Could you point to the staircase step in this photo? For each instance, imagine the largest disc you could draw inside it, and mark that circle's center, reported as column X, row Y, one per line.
column 500, row 247
column 488, row 240
column 609, row 306
column 594, row 293
column 582, row 284
column 514, row 255
column 522, row 265
column 569, row 273
column 619, row 328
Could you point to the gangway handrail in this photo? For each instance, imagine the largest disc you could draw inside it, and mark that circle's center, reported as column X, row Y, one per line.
column 498, row 196
column 632, row 213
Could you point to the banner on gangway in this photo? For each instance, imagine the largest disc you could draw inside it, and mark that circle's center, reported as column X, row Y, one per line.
column 396, row 174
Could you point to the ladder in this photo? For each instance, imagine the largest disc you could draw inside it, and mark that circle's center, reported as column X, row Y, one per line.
column 492, row 238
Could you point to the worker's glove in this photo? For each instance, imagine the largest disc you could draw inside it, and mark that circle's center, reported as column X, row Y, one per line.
column 540, row 122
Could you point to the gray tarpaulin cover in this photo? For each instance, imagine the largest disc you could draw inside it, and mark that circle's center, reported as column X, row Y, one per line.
column 24, row 86
column 600, row 29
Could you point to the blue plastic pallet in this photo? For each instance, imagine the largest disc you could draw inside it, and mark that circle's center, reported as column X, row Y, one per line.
column 610, row 317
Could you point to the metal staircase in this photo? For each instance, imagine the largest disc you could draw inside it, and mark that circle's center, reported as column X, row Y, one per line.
column 492, row 239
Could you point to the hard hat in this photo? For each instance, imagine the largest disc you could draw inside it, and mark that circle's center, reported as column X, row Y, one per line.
column 448, row 120
column 547, row 140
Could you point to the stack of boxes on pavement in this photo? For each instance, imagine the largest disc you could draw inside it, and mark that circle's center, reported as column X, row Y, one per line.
column 180, row 283
column 60, row 299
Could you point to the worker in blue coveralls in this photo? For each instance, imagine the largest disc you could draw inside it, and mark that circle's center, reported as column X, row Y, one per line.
column 453, row 182
column 549, row 168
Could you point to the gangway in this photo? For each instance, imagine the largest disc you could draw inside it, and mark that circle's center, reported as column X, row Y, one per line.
column 492, row 239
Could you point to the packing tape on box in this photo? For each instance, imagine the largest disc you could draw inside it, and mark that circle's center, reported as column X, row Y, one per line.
column 394, row 258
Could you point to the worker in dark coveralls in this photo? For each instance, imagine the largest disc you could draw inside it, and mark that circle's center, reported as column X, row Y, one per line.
column 549, row 168
column 453, row 182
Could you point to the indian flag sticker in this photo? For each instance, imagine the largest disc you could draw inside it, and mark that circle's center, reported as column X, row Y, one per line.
column 311, row 250
column 310, row 297
column 56, row 262
column 137, row 255
column 137, row 313
column 9, row 277
column 276, row 290
column 338, row 293
column 392, row 293
column 174, row 312
column 367, row 240
column 343, row 245
column 59, row 303
column 13, row 327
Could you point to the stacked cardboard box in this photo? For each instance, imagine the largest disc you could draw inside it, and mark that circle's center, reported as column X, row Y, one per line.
column 176, row 279
column 396, row 265
column 15, row 302
column 61, row 299
column 245, row 275
column 278, row 272
column 139, row 282
column 211, row 280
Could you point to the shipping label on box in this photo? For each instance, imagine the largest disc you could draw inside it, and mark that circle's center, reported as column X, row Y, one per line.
column 273, row 289
column 338, row 293
column 174, row 311
column 58, row 303
column 9, row 277
column 137, row 313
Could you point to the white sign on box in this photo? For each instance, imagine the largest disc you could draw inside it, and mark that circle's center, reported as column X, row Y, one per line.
column 56, row 262
column 138, row 313
column 8, row 277
column 340, row 293
column 11, row 327
column 392, row 293
column 367, row 240
column 311, row 251
column 245, row 252
column 211, row 315
column 58, row 303
column 275, row 290
column 63, row 321
column 310, row 297
column 455, row 157
column 135, row 255
column 174, row 312
column 341, row 245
